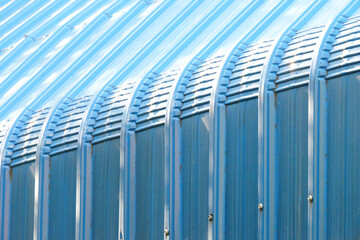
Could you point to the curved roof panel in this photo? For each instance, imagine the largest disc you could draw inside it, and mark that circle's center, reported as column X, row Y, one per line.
column 71, row 48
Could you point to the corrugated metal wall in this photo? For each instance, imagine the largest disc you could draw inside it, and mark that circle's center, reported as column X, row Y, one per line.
column 180, row 119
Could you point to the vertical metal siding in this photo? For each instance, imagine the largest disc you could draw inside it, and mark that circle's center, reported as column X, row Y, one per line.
column 291, row 139
column 22, row 198
column 106, row 180
column 149, row 184
column 62, row 195
column 195, row 176
column 241, row 170
column 343, row 214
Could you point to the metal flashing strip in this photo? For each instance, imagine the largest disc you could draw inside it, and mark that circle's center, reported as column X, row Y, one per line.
column 3, row 129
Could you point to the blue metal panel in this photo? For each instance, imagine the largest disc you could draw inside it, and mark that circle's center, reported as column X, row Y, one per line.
column 294, row 69
column 105, row 196
column 343, row 57
column 150, row 184
column 198, row 89
column 343, row 126
column 67, row 128
column 110, row 113
column 25, row 146
column 153, row 104
column 22, row 201
column 173, row 148
column 342, row 134
column 241, row 170
column 245, row 77
column 62, row 200
column 195, row 176
column 133, row 57
column 317, row 157
column 42, row 169
column 291, row 139
column 267, row 174
column 102, row 123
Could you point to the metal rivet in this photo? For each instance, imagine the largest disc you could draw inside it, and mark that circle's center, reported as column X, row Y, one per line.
column 260, row 206
column 166, row 231
column 211, row 217
column 310, row 198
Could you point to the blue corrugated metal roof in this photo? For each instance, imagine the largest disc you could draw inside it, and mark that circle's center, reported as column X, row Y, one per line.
column 75, row 48
column 76, row 74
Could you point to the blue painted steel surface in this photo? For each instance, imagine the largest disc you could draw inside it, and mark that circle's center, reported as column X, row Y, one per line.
column 150, row 182
column 179, row 119
column 62, row 195
column 241, row 170
column 195, row 176
column 22, row 198
column 343, row 183
column 291, row 135
column 105, row 198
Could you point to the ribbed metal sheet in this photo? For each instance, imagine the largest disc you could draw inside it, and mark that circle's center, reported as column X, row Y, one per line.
column 245, row 77
column 66, row 130
column 27, row 136
column 179, row 119
column 109, row 111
